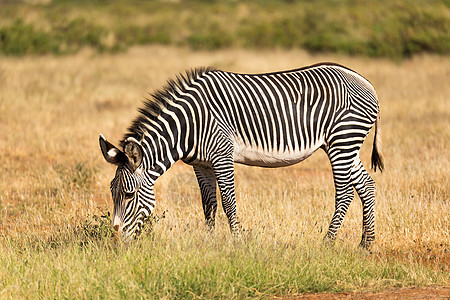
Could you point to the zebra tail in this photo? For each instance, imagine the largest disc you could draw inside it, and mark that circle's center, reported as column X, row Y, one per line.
column 377, row 157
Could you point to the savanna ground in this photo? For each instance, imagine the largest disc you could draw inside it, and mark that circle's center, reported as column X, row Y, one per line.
column 54, row 189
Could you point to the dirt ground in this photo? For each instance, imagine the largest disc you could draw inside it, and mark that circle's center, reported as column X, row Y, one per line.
column 397, row 293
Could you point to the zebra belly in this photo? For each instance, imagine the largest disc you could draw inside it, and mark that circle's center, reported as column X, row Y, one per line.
column 255, row 156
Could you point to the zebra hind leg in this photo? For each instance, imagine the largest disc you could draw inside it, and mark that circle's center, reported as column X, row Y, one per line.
column 365, row 187
column 207, row 183
column 344, row 191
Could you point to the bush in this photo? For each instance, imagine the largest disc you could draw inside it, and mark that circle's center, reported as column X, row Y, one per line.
column 395, row 29
column 20, row 38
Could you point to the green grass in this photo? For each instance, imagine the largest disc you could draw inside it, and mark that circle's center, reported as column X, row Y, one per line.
column 86, row 262
column 396, row 29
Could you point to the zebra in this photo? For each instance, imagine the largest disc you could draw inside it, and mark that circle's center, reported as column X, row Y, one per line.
column 211, row 119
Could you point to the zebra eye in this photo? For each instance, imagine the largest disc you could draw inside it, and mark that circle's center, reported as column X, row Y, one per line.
column 128, row 196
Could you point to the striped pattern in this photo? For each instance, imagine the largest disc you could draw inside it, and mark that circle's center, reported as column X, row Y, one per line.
column 212, row 119
column 133, row 201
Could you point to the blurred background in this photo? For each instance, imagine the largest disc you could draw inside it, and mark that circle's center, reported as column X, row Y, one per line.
column 396, row 29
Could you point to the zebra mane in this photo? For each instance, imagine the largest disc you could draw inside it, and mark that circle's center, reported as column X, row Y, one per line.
column 160, row 99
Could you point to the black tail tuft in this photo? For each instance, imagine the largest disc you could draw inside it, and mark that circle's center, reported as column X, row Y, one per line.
column 377, row 158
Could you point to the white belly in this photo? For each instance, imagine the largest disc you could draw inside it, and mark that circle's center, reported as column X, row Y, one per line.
column 254, row 156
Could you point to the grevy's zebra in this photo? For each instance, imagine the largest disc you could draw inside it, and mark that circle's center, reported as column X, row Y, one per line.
column 211, row 119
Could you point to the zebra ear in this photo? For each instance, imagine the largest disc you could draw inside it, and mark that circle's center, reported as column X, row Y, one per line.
column 111, row 153
column 134, row 152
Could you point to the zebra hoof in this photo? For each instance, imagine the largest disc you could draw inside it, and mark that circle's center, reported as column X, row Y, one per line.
column 210, row 226
column 328, row 241
column 366, row 246
column 236, row 232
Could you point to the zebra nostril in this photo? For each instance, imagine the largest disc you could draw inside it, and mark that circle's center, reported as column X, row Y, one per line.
column 116, row 227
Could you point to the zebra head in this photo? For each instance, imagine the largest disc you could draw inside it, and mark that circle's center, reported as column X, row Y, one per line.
column 131, row 188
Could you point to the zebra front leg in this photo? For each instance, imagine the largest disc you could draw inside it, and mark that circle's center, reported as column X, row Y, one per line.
column 344, row 192
column 207, row 183
column 224, row 170
column 365, row 187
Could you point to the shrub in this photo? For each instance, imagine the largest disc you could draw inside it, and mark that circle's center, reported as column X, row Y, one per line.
column 20, row 38
column 396, row 29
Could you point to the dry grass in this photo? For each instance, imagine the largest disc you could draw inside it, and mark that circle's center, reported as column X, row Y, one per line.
column 53, row 175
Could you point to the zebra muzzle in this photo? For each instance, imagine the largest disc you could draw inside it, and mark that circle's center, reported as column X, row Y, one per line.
column 117, row 225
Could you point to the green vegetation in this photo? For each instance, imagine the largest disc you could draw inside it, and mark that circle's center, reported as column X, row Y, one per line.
column 87, row 262
column 394, row 29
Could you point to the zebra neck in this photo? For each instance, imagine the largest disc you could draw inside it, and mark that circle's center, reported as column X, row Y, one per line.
column 164, row 142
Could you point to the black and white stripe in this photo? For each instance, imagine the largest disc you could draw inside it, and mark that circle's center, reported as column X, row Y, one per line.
column 212, row 119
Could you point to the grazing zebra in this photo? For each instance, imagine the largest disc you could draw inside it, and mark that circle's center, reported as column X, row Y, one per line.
column 211, row 119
